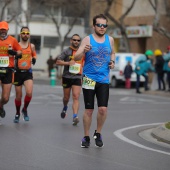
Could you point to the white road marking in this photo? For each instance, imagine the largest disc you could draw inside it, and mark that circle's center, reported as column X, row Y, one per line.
column 132, row 100
column 119, row 134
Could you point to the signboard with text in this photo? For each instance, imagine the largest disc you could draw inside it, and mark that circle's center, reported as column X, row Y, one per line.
column 132, row 32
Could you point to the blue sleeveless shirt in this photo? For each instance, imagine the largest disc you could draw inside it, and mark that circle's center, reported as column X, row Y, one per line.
column 96, row 66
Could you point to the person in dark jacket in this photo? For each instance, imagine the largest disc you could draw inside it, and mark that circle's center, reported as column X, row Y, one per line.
column 159, row 68
column 166, row 66
column 127, row 73
column 50, row 63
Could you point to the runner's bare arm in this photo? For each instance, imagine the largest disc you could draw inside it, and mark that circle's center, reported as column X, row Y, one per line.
column 34, row 55
column 65, row 63
column 33, row 50
column 112, row 58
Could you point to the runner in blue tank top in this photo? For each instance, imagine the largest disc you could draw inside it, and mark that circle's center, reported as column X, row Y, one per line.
column 99, row 59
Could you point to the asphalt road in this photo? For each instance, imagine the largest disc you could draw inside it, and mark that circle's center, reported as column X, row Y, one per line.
column 48, row 142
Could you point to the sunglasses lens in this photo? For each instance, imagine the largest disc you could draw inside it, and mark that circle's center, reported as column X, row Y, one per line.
column 76, row 40
column 25, row 33
column 101, row 25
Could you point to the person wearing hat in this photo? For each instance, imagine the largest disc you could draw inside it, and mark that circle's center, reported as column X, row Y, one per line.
column 166, row 66
column 159, row 68
column 9, row 49
column 143, row 65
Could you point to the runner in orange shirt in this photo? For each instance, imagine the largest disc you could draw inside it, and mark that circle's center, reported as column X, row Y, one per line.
column 23, row 75
column 9, row 50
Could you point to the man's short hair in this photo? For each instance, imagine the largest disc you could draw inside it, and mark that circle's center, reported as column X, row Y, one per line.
column 99, row 16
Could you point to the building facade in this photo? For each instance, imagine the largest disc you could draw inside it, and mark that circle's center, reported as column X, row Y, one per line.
column 139, row 23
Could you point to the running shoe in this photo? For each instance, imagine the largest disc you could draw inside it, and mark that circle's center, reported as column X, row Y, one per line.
column 25, row 115
column 63, row 114
column 16, row 119
column 2, row 112
column 75, row 121
column 98, row 139
column 85, row 142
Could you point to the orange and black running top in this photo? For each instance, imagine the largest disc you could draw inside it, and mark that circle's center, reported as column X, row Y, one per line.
column 6, row 60
column 27, row 54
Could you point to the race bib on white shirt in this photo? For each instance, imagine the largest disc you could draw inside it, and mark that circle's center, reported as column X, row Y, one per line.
column 75, row 69
column 4, row 61
column 88, row 83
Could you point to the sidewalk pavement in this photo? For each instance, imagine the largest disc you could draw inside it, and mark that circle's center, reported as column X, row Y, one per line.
column 161, row 133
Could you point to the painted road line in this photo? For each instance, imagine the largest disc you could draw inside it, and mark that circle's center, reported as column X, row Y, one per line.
column 119, row 134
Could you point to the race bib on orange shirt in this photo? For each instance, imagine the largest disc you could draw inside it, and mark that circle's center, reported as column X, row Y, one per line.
column 4, row 61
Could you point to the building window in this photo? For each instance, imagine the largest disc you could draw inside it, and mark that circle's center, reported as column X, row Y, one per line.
column 36, row 40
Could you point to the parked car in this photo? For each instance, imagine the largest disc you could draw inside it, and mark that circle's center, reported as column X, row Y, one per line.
column 116, row 74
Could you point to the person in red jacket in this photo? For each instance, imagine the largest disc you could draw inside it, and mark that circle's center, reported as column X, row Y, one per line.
column 9, row 50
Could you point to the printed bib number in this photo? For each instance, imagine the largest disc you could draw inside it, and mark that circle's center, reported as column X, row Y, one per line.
column 4, row 61
column 88, row 83
column 75, row 69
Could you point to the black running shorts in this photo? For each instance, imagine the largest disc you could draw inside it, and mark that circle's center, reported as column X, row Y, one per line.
column 21, row 77
column 102, row 94
column 7, row 78
column 67, row 82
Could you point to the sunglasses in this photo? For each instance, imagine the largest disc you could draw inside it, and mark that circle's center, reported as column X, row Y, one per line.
column 25, row 33
column 76, row 40
column 101, row 25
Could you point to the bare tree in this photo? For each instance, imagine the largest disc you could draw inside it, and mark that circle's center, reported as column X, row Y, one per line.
column 76, row 9
column 157, row 25
column 120, row 22
column 4, row 5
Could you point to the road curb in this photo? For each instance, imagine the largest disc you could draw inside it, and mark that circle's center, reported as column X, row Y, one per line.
column 161, row 133
column 158, row 93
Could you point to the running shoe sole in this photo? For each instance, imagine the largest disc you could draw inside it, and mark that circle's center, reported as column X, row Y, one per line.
column 75, row 121
column 63, row 115
column 25, row 118
column 2, row 114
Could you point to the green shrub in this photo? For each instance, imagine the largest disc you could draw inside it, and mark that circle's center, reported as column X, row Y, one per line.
column 167, row 125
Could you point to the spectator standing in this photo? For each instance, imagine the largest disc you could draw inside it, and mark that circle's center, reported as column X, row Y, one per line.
column 23, row 75
column 159, row 69
column 127, row 73
column 50, row 63
column 166, row 66
column 9, row 50
column 99, row 59
column 72, row 77
column 143, row 65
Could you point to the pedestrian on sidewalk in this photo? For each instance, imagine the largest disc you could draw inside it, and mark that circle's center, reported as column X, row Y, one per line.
column 142, row 66
column 159, row 69
column 50, row 63
column 72, row 77
column 127, row 73
column 9, row 50
column 23, row 74
column 166, row 66
column 99, row 59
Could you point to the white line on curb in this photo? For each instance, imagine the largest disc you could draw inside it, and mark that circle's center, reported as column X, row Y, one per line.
column 119, row 134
